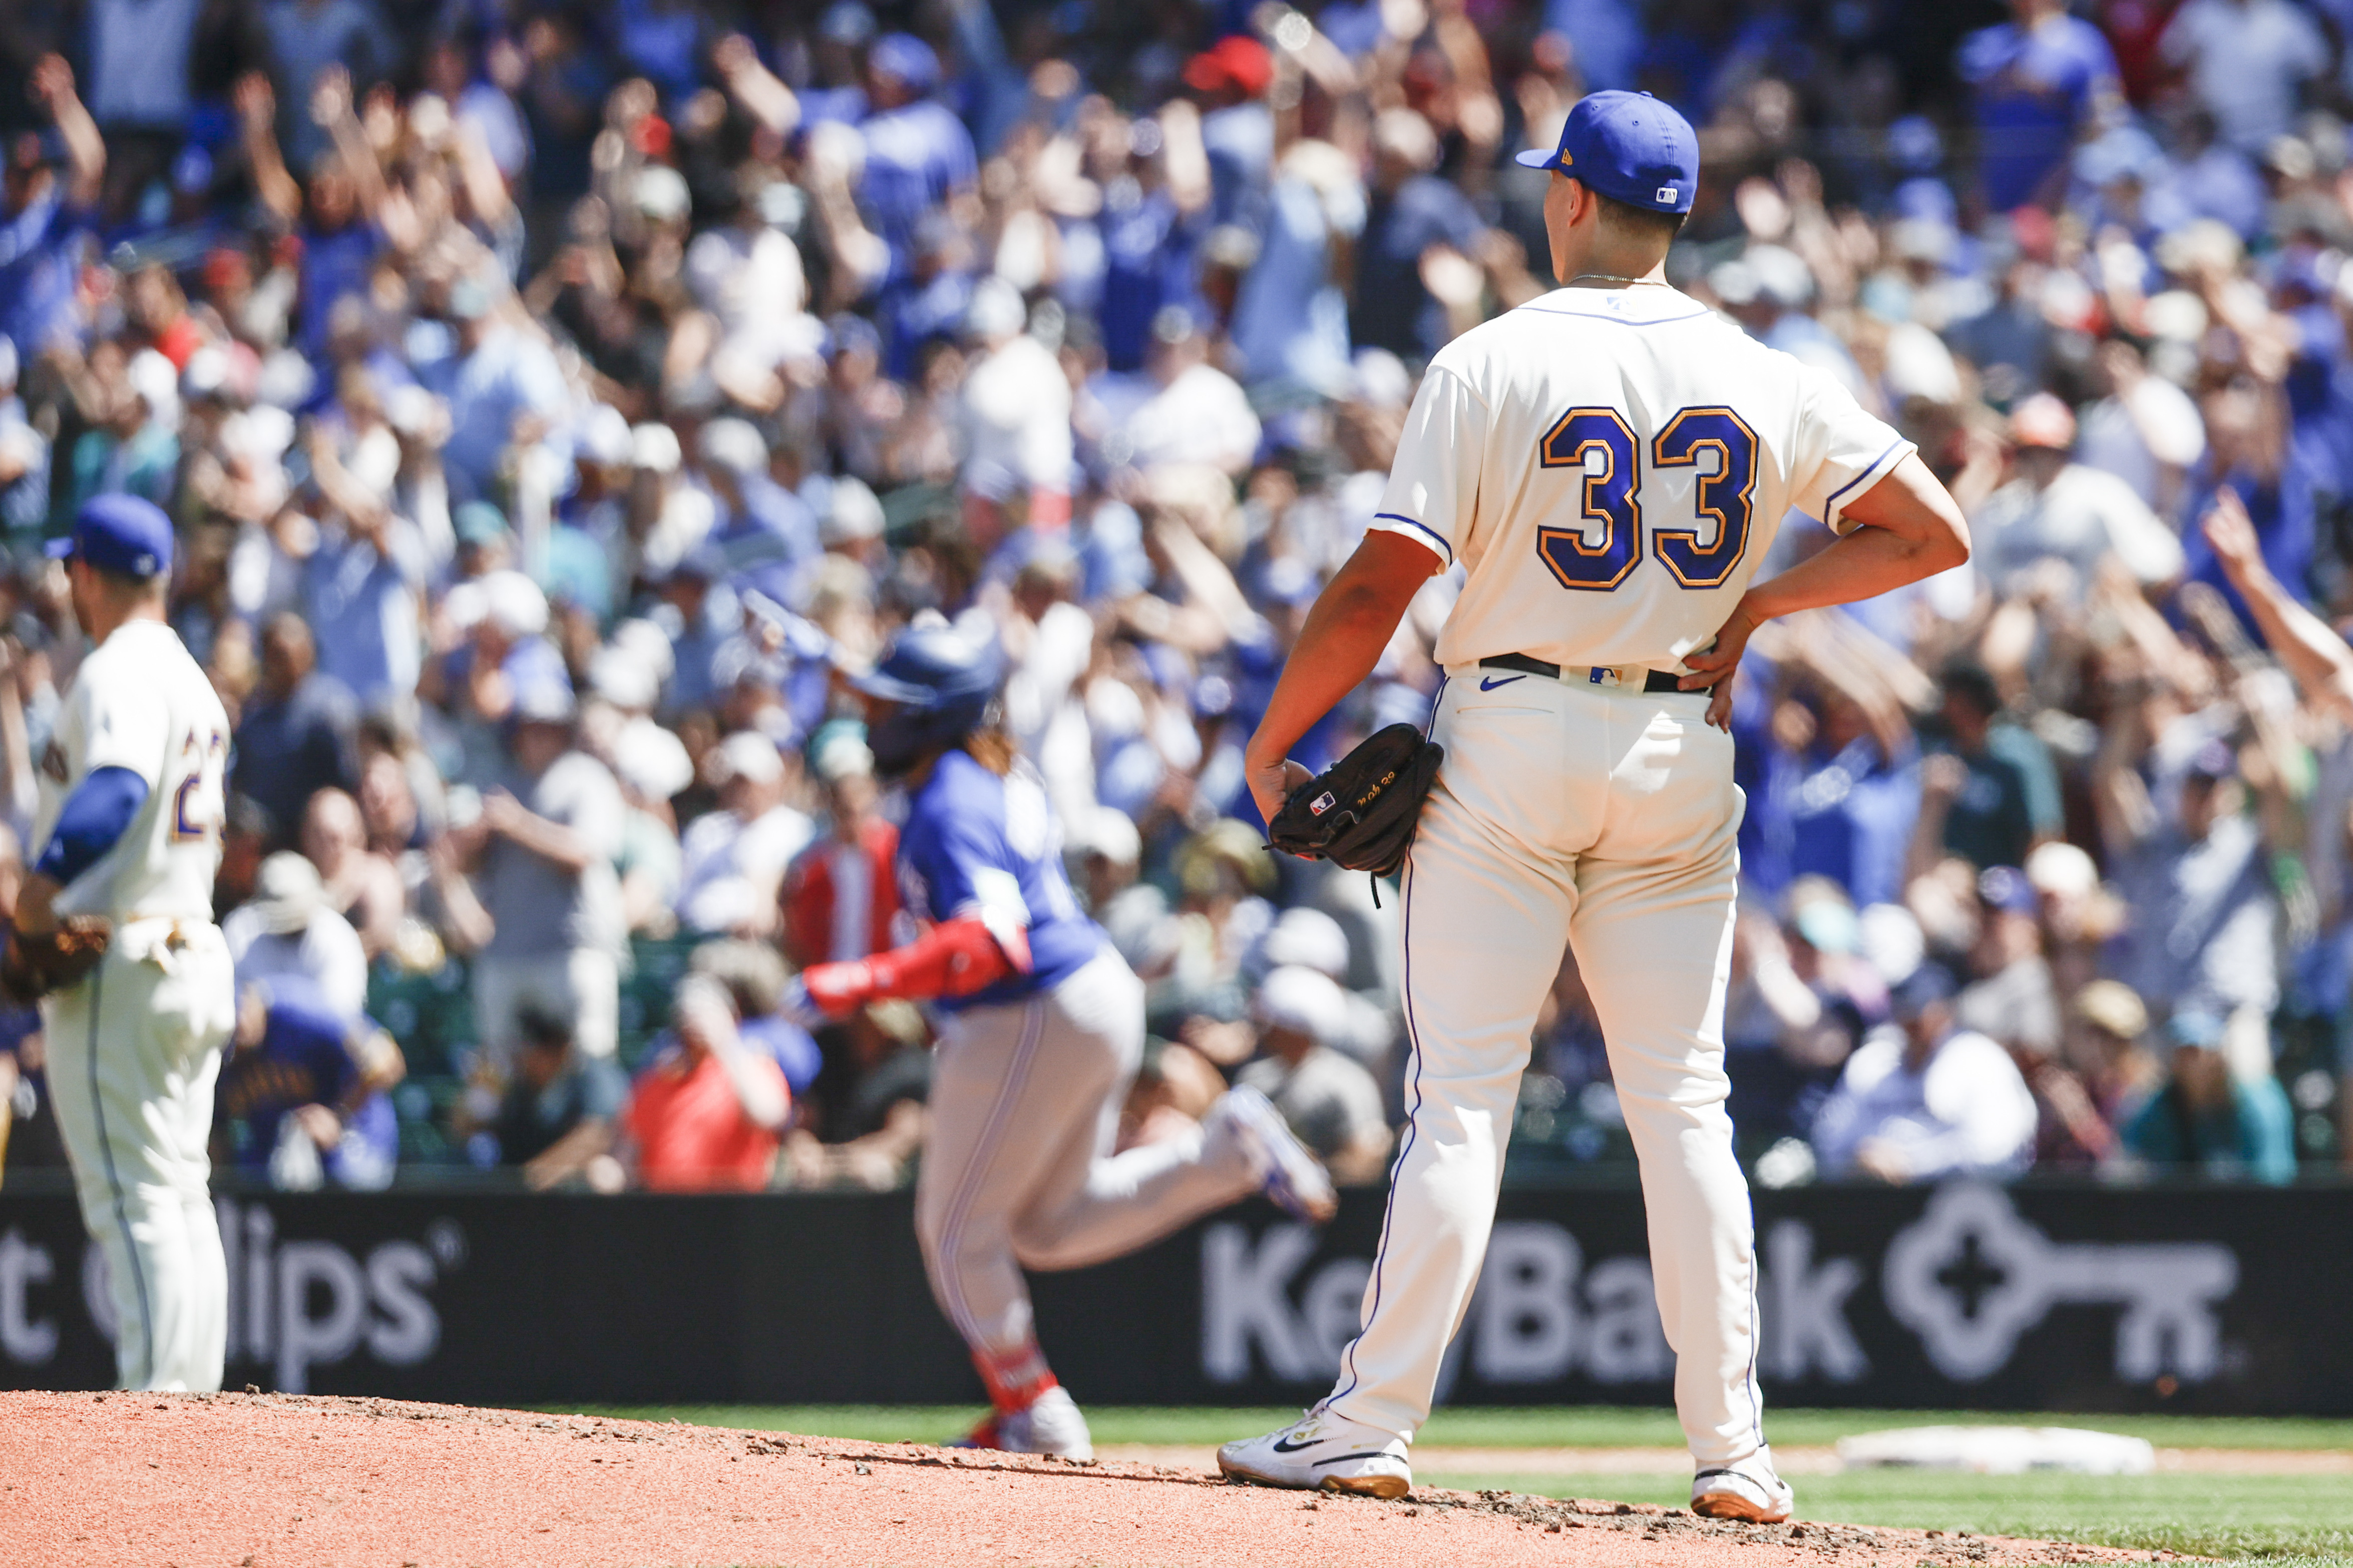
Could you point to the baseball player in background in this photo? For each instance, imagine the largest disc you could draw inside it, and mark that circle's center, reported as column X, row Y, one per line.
column 130, row 824
column 1608, row 464
column 1041, row 1033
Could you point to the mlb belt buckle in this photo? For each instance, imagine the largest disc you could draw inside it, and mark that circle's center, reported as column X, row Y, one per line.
column 1616, row 675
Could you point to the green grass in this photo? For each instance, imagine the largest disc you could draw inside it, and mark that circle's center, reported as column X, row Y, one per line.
column 1575, row 1426
column 2220, row 1516
column 2287, row 1522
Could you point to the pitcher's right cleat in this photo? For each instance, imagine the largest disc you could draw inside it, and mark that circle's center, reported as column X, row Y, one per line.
column 1322, row 1452
column 1736, row 1494
column 1288, row 1174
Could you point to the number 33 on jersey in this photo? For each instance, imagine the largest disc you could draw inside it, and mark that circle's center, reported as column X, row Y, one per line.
column 1611, row 467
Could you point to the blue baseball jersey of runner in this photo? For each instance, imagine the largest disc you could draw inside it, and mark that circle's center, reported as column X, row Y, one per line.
column 975, row 843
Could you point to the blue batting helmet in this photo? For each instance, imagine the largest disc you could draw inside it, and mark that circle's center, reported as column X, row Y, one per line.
column 945, row 687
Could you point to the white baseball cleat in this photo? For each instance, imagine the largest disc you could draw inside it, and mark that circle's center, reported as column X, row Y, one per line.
column 1736, row 1494
column 1052, row 1425
column 1287, row 1172
column 1322, row 1452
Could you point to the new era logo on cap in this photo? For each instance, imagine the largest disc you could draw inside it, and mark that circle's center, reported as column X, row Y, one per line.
column 1629, row 146
column 121, row 533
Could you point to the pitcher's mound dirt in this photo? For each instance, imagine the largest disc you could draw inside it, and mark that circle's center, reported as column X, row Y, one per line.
column 287, row 1481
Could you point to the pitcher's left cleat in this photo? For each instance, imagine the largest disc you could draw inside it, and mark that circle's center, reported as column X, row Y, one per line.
column 1322, row 1452
column 1736, row 1494
column 1288, row 1174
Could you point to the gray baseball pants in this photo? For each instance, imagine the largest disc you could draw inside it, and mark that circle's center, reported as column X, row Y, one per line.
column 1018, row 1170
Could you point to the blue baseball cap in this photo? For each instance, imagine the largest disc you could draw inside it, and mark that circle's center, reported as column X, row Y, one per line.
column 122, row 534
column 1629, row 146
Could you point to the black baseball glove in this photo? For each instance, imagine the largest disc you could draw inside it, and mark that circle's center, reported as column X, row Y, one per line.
column 1361, row 812
column 35, row 965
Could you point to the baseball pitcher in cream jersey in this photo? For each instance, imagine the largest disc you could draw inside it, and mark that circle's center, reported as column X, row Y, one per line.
column 130, row 823
column 1608, row 464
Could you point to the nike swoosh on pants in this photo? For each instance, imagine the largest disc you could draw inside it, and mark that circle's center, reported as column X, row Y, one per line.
column 1491, row 682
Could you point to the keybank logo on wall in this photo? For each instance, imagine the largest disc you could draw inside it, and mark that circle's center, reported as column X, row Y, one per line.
column 1969, row 1277
column 293, row 1303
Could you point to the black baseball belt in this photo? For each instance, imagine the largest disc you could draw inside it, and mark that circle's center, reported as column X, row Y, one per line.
column 1586, row 675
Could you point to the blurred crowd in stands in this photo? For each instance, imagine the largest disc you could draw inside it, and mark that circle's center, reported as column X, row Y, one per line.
column 552, row 396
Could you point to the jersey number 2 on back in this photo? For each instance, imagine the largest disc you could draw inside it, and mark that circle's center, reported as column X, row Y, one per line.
column 1725, row 495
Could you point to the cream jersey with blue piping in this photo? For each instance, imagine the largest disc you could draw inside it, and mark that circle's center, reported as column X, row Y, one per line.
column 1610, row 467
column 139, row 702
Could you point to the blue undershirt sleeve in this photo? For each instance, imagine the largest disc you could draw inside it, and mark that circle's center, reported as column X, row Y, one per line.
column 95, row 816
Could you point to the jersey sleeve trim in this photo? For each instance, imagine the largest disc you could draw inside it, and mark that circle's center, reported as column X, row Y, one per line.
column 1436, row 537
column 1897, row 450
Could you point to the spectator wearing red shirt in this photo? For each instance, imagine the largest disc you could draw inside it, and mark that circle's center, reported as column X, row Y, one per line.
column 841, row 893
column 707, row 1114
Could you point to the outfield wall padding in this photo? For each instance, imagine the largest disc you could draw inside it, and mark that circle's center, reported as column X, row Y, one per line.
column 2199, row 1300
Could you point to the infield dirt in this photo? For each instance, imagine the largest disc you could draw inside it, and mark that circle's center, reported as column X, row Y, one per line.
column 291, row 1482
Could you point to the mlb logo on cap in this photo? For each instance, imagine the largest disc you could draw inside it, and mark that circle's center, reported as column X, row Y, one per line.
column 124, row 535
column 1629, row 147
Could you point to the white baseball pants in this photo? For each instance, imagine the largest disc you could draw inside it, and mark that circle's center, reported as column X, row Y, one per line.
column 133, row 1051
column 1604, row 819
column 1018, row 1170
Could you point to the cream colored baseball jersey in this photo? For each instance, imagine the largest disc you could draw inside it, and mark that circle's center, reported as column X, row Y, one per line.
column 1610, row 467
column 138, row 701
column 134, row 1048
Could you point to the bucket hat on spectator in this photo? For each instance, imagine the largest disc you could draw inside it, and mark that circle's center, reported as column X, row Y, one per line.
column 604, row 437
column 655, row 448
column 747, row 754
column 1302, row 1001
column 286, row 893
column 1308, row 939
column 545, row 703
column 2113, row 1007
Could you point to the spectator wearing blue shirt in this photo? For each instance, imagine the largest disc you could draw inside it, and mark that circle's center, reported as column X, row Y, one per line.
column 343, row 216
column 1412, row 213
column 360, row 588
column 919, row 156
column 309, row 1085
column 503, row 385
column 2040, row 80
column 296, row 734
column 766, row 533
column 1832, row 795
column 1149, row 237
column 1291, row 317
column 1237, row 128
column 45, row 219
column 2248, row 455
column 24, row 456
